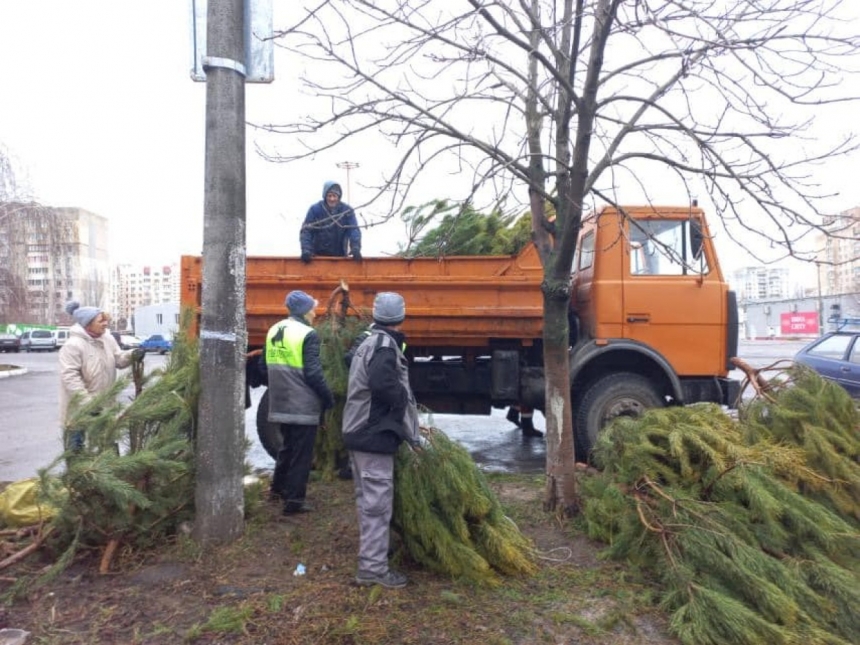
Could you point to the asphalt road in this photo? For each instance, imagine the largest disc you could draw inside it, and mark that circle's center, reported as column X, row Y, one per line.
column 30, row 428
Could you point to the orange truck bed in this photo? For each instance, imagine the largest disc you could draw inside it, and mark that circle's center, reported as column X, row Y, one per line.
column 459, row 302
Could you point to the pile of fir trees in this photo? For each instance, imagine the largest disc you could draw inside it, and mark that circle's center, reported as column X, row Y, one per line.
column 750, row 527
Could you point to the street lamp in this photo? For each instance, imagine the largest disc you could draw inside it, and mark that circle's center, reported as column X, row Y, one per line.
column 820, row 301
column 347, row 165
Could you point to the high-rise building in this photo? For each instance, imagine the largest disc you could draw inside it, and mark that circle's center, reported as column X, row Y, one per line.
column 49, row 256
column 761, row 283
column 141, row 286
column 838, row 258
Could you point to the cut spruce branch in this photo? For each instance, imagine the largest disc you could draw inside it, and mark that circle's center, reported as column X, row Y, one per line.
column 450, row 519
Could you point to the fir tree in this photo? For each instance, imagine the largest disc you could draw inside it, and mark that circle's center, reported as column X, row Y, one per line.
column 450, row 519
column 132, row 482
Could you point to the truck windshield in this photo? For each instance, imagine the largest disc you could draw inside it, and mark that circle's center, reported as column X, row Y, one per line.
column 665, row 247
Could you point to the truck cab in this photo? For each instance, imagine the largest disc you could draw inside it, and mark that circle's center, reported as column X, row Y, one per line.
column 656, row 322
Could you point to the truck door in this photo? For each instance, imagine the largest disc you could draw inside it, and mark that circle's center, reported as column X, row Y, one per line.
column 673, row 299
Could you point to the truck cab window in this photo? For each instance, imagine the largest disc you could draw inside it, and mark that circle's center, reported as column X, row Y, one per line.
column 666, row 247
column 586, row 251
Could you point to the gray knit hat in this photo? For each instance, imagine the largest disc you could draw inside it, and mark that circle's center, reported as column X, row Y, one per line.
column 299, row 303
column 82, row 315
column 389, row 308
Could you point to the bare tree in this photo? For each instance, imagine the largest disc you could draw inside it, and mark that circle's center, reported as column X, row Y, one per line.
column 574, row 102
column 13, row 280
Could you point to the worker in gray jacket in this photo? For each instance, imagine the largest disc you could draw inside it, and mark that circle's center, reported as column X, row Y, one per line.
column 380, row 413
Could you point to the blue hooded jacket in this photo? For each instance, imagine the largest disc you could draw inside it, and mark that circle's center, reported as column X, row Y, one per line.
column 329, row 233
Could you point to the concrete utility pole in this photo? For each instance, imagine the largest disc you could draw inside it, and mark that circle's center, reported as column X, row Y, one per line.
column 219, row 495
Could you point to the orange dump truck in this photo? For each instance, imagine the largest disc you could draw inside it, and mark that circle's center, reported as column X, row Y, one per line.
column 653, row 322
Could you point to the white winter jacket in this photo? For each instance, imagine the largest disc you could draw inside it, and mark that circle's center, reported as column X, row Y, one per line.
column 88, row 365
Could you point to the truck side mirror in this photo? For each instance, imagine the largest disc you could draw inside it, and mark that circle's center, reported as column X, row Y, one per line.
column 697, row 239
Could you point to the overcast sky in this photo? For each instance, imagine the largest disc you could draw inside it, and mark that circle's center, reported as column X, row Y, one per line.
column 98, row 111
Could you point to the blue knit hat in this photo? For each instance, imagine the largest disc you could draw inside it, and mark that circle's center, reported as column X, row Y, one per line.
column 299, row 303
column 82, row 315
column 389, row 308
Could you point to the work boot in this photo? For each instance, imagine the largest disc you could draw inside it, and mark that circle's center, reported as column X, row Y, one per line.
column 292, row 508
column 514, row 416
column 391, row 579
column 529, row 429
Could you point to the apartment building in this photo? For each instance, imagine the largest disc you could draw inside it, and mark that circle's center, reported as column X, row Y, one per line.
column 761, row 283
column 47, row 257
column 838, row 258
column 133, row 287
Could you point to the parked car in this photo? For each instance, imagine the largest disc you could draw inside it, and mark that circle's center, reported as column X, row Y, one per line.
column 129, row 341
column 157, row 343
column 10, row 343
column 836, row 357
column 126, row 341
column 61, row 335
column 38, row 339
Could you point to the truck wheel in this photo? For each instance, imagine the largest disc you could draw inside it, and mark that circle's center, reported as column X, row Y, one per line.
column 614, row 395
column 269, row 433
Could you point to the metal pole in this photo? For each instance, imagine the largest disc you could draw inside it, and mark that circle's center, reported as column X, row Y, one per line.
column 820, row 301
column 348, row 165
column 223, row 337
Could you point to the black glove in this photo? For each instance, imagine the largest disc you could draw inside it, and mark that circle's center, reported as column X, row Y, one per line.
column 138, row 354
column 356, row 255
column 306, row 256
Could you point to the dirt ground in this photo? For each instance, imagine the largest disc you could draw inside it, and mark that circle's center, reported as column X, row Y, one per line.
column 248, row 592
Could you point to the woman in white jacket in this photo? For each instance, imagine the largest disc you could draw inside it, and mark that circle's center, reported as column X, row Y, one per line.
column 88, row 360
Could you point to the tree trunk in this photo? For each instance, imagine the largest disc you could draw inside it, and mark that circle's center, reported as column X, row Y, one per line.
column 561, row 489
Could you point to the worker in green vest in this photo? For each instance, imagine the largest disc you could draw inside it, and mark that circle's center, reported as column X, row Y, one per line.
column 298, row 395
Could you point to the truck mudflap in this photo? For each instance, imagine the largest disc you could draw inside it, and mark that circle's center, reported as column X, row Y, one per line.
column 731, row 392
column 723, row 391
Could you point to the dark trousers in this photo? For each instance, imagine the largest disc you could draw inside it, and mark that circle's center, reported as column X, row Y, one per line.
column 293, row 466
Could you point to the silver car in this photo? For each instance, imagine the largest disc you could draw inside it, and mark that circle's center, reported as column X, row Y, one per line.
column 38, row 339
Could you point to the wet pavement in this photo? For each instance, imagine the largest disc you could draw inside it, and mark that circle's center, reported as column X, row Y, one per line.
column 495, row 443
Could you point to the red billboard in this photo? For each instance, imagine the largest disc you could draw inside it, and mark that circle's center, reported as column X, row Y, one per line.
column 800, row 322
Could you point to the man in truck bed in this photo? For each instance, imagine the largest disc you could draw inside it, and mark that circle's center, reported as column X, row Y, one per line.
column 330, row 228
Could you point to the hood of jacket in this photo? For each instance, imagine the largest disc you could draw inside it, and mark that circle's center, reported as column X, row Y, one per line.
column 77, row 330
column 328, row 186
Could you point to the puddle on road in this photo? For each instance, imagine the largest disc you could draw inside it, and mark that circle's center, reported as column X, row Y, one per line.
column 495, row 443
